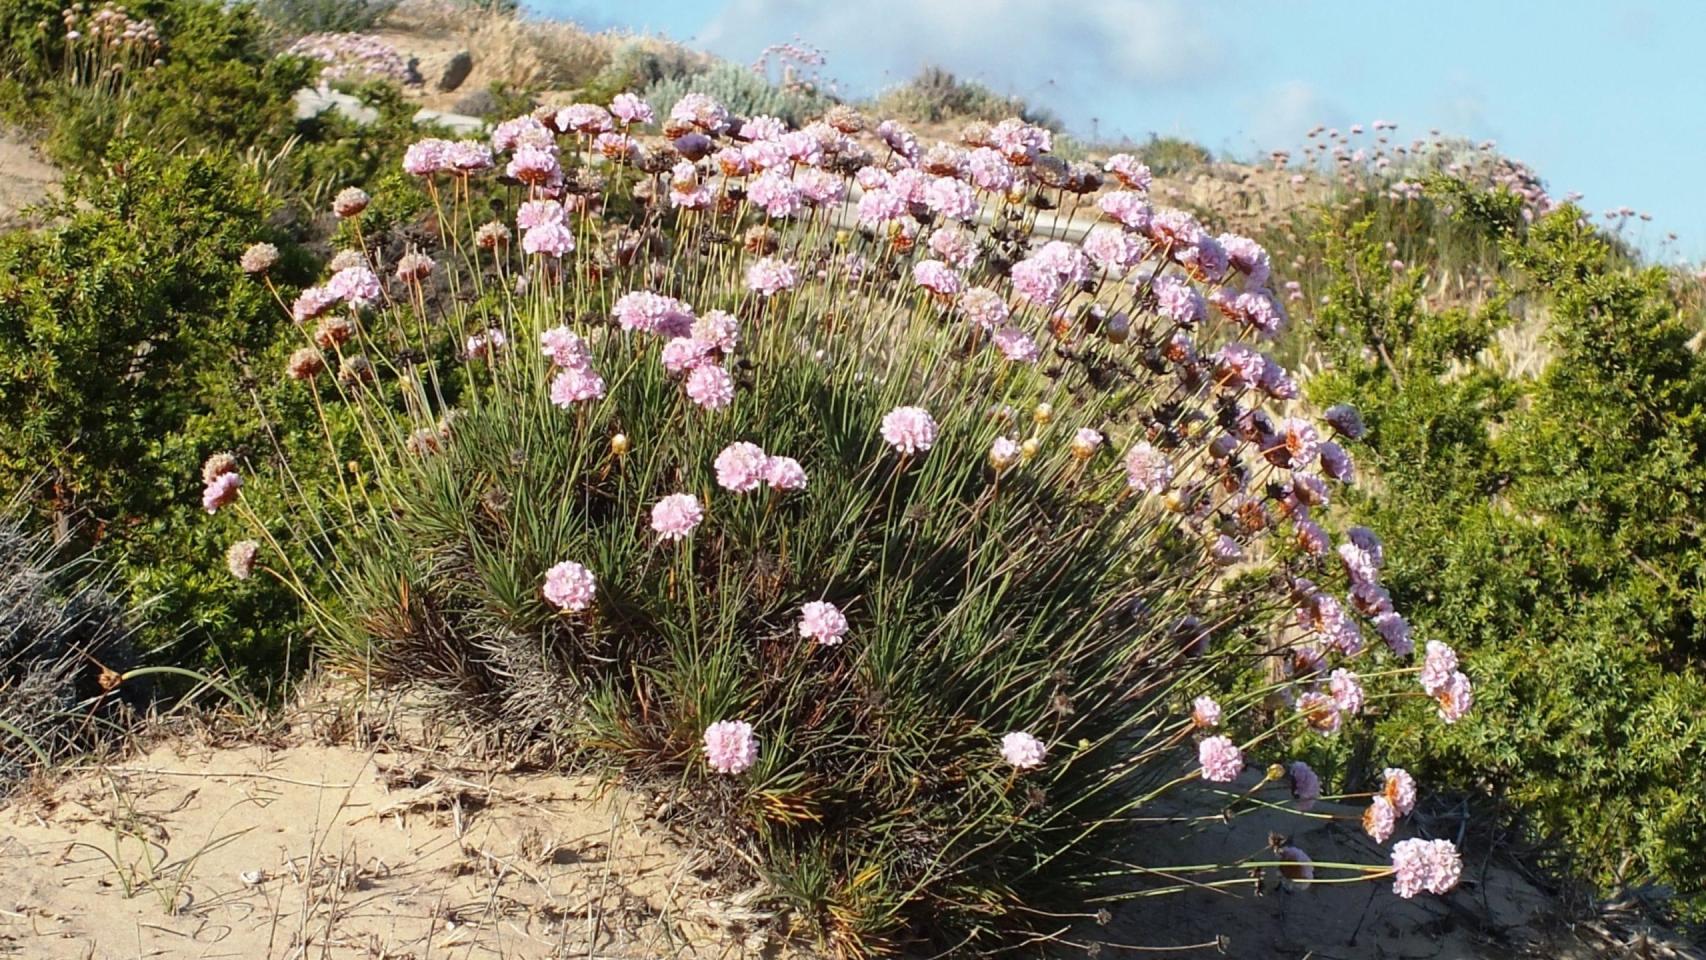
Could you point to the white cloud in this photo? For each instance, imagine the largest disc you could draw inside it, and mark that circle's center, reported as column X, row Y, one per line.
column 1073, row 57
column 1284, row 113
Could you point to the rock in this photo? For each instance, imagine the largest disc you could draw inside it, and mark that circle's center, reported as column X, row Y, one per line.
column 477, row 103
column 456, row 70
column 311, row 102
column 456, row 122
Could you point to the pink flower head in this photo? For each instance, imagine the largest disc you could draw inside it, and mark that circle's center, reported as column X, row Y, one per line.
column 653, row 313
column 1395, row 630
column 701, row 111
column 1311, row 539
column 819, row 187
column 990, row 170
column 588, row 118
column 1237, row 365
column 1336, row 463
column 1455, row 697
column 1129, row 210
column 1305, row 784
column 936, row 277
column 1225, row 551
column 629, row 108
column 1431, row 865
column 770, row 276
column 899, row 139
column 1205, row 712
column 785, row 473
column 1248, row 258
column 675, row 516
column 1346, row 690
column 1221, row 760
column 1020, row 142
column 775, row 193
column 548, row 239
column 710, row 386
column 1438, row 666
column 1016, row 345
column 1131, row 172
column 1113, row 249
column 221, row 491
column 909, row 430
column 1147, row 469
column 311, row 303
column 1023, row 751
column 356, row 286
column 564, row 347
column 485, row 345
column 1178, row 301
column 1003, row 453
column 570, row 586
column 823, row 621
column 1321, row 712
column 955, row 245
column 1380, row 819
column 1086, row 442
column 983, row 307
column 1344, row 418
column 741, row 467
column 1399, row 789
column 952, row 199
column 574, row 385
column 468, row 156
column 878, row 207
column 730, row 746
column 719, row 329
column 683, row 354
column 534, row 164
column 763, row 127
column 525, row 130
column 424, row 158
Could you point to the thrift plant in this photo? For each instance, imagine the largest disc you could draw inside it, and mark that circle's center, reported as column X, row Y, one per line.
column 808, row 470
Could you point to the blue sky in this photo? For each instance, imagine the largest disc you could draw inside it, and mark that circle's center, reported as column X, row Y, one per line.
column 1607, row 98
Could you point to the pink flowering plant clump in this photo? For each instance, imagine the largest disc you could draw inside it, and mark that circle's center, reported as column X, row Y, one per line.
column 913, row 582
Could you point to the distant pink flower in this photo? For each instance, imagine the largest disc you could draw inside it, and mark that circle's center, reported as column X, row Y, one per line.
column 937, row 277
column 1129, row 171
column 549, row 239
column 775, row 193
column 1237, row 365
column 1346, row 690
column 1431, row 865
column 675, row 516
column 356, row 286
column 683, row 354
column 909, row 430
column 741, row 467
column 730, row 746
column 710, row 386
column 1321, row 712
column 564, row 347
column 984, row 307
column 653, row 313
column 1438, row 666
column 951, row 198
column 898, row 138
column 1221, row 760
column 586, row 118
column 1399, row 789
column 629, row 108
column 1086, row 442
column 570, row 586
column 1395, row 630
column 1311, row 539
column 1126, row 208
column 1016, row 345
column 1305, row 784
column 785, row 473
column 574, row 385
column 522, row 130
column 468, row 156
column 311, row 303
column 425, row 157
column 1301, row 441
column 1380, row 819
column 770, row 276
column 1147, row 469
column 1455, row 697
column 1205, row 712
column 1023, row 751
column 1034, row 281
column 823, row 621
column 221, row 491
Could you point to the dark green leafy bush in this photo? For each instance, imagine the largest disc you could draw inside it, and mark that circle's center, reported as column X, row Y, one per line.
column 119, row 329
column 1549, row 527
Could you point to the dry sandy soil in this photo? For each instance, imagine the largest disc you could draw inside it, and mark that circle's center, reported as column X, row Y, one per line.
column 302, row 848
column 25, row 178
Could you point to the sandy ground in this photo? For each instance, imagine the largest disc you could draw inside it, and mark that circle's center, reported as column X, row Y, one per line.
column 332, row 852
column 25, row 178
column 302, row 849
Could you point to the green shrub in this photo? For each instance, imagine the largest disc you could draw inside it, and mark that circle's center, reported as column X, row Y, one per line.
column 937, row 96
column 1544, row 526
column 298, row 17
column 119, row 325
column 742, row 91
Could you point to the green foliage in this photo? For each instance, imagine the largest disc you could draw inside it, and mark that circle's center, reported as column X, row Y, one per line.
column 1547, row 527
column 742, row 91
column 937, row 96
column 1171, row 156
column 118, row 329
column 297, row 17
